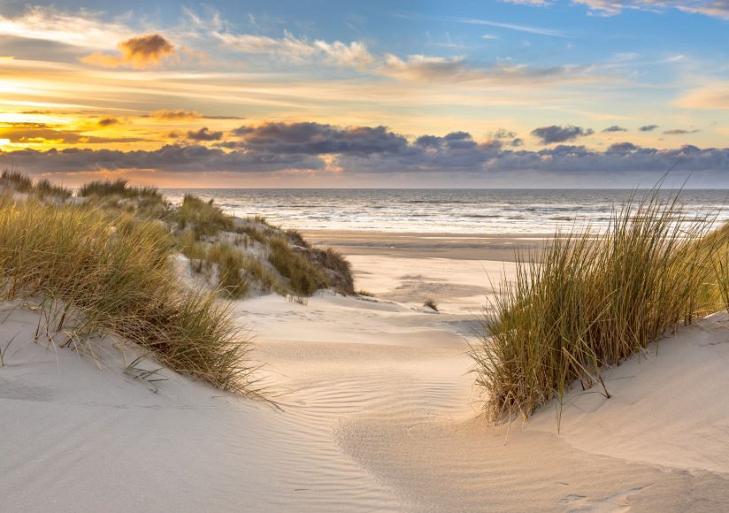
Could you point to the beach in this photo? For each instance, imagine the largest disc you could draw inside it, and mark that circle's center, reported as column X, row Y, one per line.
column 373, row 408
column 364, row 257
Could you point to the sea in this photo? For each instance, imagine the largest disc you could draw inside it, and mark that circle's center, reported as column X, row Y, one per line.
column 453, row 211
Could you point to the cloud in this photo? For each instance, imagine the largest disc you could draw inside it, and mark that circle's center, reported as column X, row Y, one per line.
column 556, row 134
column 299, row 50
column 648, row 128
column 104, row 122
column 174, row 115
column 321, row 148
column 529, row 29
column 138, row 52
column 204, row 134
column 426, row 68
column 712, row 96
column 81, row 30
column 168, row 158
column 681, row 131
column 423, row 67
column 615, row 128
column 502, row 133
column 316, row 139
column 715, row 8
column 416, row 67
column 39, row 133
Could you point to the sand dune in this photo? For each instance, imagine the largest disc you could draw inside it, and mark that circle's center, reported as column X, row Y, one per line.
column 377, row 413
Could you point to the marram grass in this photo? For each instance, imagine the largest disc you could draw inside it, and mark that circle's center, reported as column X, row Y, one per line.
column 115, row 273
column 591, row 300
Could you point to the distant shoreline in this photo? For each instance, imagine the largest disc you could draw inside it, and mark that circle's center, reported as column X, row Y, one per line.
column 497, row 247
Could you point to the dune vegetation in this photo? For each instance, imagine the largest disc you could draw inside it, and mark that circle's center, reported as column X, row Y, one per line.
column 103, row 262
column 98, row 273
column 594, row 298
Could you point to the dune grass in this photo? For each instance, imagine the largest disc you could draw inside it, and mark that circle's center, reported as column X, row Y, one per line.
column 430, row 303
column 17, row 181
column 230, row 266
column 118, row 188
column 115, row 274
column 304, row 277
column 202, row 217
column 328, row 258
column 144, row 202
column 592, row 300
column 43, row 188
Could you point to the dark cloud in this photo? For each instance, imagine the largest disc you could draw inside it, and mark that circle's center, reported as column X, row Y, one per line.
column 556, row 134
column 39, row 132
column 173, row 115
column 517, row 142
column 168, row 158
column 109, row 122
column 648, row 128
column 615, row 128
column 681, row 131
column 317, row 139
column 277, row 147
column 204, row 135
column 147, row 48
column 502, row 133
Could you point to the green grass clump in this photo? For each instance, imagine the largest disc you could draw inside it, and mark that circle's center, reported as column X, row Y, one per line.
column 202, row 217
column 230, row 265
column 592, row 300
column 304, row 277
column 342, row 278
column 253, row 234
column 116, row 275
column 144, row 202
column 118, row 188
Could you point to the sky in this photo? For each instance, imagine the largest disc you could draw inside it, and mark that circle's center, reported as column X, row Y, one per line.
column 517, row 93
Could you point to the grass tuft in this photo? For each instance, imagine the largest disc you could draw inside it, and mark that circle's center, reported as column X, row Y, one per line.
column 118, row 188
column 117, row 276
column 17, row 181
column 430, row 303
column 592, row 300
column 202, row 217
column 304, row 277
column 230, row 265
column 43, row 188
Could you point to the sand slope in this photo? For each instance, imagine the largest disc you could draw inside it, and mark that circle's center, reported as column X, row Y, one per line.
column 378, row 414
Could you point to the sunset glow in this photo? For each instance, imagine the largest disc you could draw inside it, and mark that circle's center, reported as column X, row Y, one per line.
column 584, row 93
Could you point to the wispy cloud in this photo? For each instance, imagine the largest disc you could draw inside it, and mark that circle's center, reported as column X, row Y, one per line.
column 715, row 8
column 710, row 96
column 681, row 131
column 82, row 30
column 529, row 29
column 299, row 50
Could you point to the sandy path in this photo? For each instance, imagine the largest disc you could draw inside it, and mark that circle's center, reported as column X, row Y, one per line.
column 389, row 384
column 379, row 414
